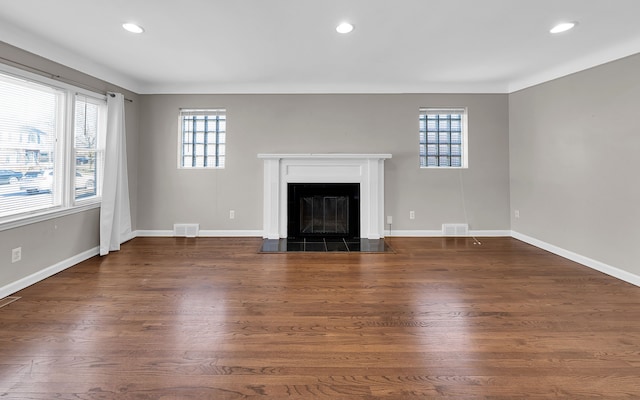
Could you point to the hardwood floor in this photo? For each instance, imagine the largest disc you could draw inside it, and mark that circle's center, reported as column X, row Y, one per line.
column 210, row 318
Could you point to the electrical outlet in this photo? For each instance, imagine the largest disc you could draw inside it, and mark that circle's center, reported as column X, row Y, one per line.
column 232, row 214
column 16, row 254
column 516, row 213
column 389, row 220
column 412, row 215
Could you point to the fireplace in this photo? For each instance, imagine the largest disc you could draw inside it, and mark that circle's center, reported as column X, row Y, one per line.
column 323, row 210
column 366, row 170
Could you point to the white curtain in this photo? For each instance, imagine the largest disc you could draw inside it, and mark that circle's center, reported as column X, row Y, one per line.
column 115, row 215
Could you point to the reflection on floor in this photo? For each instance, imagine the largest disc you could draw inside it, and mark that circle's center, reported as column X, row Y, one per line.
column 325, row 245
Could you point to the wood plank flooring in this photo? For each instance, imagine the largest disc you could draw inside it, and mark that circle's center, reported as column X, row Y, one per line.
column 210, row 318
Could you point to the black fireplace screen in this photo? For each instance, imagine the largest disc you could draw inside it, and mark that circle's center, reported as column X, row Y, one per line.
column 326, row 210
column 324, row 215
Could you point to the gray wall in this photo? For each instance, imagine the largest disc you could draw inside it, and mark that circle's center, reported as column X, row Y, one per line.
column 322, row 124
column 562, row 153
column 47, row 243
column 574, row 145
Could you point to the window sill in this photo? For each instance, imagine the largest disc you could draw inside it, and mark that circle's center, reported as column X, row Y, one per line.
column 464, row 167
column 47, row 215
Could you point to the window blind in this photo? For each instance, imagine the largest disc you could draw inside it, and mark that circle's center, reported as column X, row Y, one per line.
column 30, row 124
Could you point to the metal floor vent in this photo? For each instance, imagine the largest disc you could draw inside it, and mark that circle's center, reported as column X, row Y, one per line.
column 8, row 300
column 186, row 230
column 455, row 229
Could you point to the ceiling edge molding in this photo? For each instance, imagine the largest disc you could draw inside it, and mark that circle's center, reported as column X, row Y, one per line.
column 27, row 41
column 629, row 48
column 323, row 88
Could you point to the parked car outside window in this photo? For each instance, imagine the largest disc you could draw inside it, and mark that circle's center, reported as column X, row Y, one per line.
column 37, row 181
column 42, row 181
column 84, row 182
column 8, row 176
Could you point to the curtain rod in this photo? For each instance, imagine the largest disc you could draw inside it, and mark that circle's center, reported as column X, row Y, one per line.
column 114, row 95
column 59, row 78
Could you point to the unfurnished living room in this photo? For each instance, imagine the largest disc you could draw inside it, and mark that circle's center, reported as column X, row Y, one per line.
column 337, row 199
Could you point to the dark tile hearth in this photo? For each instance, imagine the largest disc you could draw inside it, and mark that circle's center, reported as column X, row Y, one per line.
column 325, row 245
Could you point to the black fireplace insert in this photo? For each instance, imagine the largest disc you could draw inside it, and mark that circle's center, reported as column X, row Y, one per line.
column 323, row 210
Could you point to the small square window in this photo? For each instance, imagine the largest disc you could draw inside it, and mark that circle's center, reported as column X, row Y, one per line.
column 443, row 137
column 203, row 138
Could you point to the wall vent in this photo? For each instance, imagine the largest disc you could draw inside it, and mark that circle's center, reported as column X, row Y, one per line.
column 455, row 229
column 186, row 230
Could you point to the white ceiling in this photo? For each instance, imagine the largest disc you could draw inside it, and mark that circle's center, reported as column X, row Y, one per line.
column 291, row 46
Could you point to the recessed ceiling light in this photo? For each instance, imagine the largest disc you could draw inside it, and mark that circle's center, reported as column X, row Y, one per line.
column 133, row 28
column 563, row 27
column 344, row 27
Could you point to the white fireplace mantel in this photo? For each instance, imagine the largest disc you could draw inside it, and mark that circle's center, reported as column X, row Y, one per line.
column 365, row 169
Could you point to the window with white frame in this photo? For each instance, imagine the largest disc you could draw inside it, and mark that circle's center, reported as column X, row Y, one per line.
column 443, row 138
column 88, row 142
column 202, row 138
column 44, row 125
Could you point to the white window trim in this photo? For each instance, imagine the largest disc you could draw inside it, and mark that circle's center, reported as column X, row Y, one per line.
column 465, row 136
column 45, row 215
column 69, row 204
column 100, row 148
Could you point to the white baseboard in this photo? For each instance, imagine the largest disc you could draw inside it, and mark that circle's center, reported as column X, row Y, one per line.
column 20, row 284
column 580, row 259
column 201, row 233
column 259, row 233
column 231, row 233
column 412, row 233
column 487, row 233
column 36, row 277
column 154, row 233
column 438, row 233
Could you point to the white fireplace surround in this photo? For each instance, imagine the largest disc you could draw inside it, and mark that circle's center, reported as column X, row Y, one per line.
column 365, row 169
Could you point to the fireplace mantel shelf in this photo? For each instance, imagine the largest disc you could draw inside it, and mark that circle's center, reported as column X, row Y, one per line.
column 365, row 169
